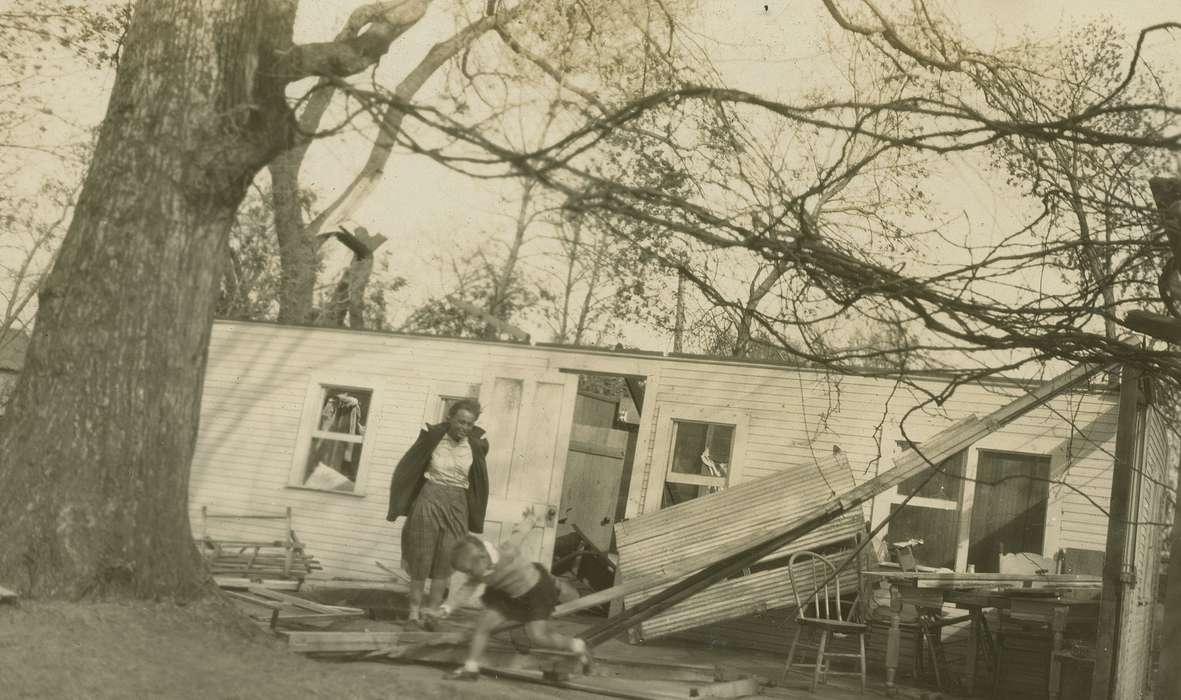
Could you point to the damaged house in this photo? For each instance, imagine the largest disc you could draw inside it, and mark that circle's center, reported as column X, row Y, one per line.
column 694, row 454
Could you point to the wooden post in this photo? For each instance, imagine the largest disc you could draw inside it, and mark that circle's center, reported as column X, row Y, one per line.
column 1114, row 579
column 1170, row 649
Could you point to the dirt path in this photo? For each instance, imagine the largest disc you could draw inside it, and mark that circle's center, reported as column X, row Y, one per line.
column 132, row 651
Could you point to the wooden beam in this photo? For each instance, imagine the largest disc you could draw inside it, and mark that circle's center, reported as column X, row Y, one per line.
column 714, row 566
column 1115, row 579
column 1158, row 326
column 745, row 687
column 631, row 692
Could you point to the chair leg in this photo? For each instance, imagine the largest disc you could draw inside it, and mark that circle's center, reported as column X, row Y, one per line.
column 818, row 671
column 791, row 653
column 861, row 660
column 932, row 647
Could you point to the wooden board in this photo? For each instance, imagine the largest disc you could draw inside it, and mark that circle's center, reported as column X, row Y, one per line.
column 282, row 608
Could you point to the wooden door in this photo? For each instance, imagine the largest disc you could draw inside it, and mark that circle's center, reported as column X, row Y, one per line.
column 1009, row 508
column 527, row 416
column 594, row 475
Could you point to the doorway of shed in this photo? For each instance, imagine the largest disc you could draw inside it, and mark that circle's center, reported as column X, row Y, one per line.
column 599, row 461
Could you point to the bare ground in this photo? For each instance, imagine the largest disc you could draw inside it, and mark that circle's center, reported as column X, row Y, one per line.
column 84, row 651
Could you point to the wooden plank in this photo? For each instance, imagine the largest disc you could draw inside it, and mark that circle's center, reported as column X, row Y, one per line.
column 743, row 688
column 308, row 642
column 1107, row 635
column 303, row 603
column 633, row 691
column 8, row 596
column 596, row 449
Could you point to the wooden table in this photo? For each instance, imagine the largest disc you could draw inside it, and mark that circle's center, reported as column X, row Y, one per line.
column 976, row 592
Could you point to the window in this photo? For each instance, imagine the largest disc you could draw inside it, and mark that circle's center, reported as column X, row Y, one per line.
column 932, row 515
column 702, row 455
column 332, row 460
column 445, row 404
column 973, row 509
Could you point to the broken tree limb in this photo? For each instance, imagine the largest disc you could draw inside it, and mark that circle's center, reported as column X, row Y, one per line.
column 500, row 324
column 718, row 566
column 390, row 127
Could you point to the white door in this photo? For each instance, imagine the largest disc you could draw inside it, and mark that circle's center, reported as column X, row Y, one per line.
column 527, row 416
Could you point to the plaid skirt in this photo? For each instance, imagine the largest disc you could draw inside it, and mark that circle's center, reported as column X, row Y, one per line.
column 438, row 520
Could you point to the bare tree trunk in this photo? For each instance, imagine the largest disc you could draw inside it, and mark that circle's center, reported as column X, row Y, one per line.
column 746, row 317
column 568, row 283
column 101, row 429
column 299, row 255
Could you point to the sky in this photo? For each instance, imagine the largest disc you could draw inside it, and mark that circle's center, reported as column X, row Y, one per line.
column 771, row 47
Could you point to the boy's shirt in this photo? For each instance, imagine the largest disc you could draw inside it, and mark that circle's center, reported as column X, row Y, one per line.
column 511, row 573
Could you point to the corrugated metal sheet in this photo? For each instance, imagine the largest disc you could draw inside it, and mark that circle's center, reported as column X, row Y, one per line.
column 726, row 520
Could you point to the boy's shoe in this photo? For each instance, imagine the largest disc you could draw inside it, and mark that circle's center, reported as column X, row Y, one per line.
column 586, row 659
column 463, row 674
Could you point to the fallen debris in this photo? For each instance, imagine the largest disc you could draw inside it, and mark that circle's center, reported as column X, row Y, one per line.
column 274, row 608
column 745, row 687
column 7, row 596
column 652, row 542
column 253, row 559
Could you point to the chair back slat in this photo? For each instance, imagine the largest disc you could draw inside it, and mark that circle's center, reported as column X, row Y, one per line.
column 815, row 585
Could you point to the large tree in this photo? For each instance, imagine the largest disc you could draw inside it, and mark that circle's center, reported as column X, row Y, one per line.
column 100, row 432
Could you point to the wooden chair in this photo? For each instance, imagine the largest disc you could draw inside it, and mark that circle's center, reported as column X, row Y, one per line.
column 821, row 608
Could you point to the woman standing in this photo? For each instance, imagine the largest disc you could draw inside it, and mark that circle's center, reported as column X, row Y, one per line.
column 441, row 486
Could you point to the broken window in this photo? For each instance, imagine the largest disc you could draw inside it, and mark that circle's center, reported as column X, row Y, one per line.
column 701, row 460
column 338, row 439
column 933, row 513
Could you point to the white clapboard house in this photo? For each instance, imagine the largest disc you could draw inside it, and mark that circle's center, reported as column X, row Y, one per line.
column 315, row 419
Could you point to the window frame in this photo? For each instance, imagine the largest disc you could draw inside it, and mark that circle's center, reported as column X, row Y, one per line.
column 437, row 394
column 313, row 404
column 664, row 446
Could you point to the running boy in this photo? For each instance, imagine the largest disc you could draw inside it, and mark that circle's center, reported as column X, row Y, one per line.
column 514, row 589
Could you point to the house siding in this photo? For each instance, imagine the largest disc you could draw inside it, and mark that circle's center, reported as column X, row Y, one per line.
column 258, row 375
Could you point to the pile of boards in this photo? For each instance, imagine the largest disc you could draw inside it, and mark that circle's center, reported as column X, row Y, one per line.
column 276, row 559
column 236, row 552
column 609, row 677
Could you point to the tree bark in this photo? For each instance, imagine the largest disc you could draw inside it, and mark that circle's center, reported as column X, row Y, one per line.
column 96, row 453
column 299, row 255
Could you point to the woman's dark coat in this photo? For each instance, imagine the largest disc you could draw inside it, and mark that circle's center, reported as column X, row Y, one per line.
column 410, row 474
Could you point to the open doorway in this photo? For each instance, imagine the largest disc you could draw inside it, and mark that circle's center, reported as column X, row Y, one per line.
column 599, row 465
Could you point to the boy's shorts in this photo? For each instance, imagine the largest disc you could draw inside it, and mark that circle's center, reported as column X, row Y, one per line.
column 537, row 604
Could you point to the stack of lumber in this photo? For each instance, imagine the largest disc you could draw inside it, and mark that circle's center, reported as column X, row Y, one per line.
column 276, row 559
column 247, row 558
column 654, row 542
column 276, row 609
